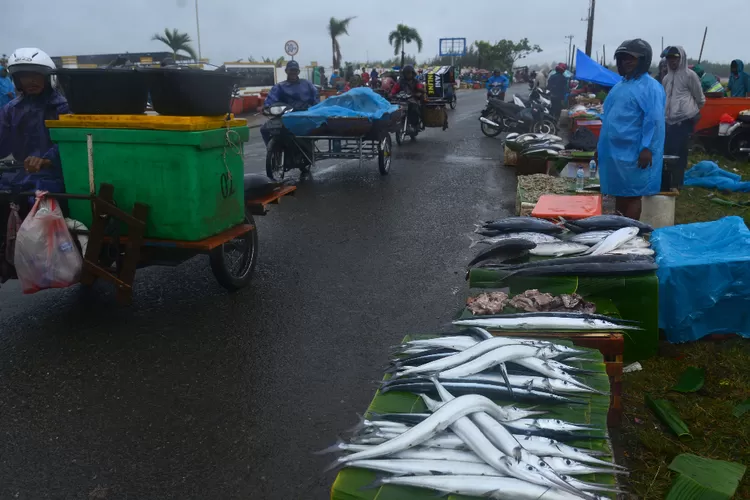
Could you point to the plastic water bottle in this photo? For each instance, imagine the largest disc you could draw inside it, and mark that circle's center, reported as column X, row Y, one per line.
column 592, row 169
column 579, row 179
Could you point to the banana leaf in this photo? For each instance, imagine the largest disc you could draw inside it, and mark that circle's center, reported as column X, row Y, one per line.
column 669, row 416
column 352, row 484
column 691, row 380
column 741, row 408
column 704, row 479
column 636, row 297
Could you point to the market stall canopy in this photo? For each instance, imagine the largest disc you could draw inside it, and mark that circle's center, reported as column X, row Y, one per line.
column 589, row 70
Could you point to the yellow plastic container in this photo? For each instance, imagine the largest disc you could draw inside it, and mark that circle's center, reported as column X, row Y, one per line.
column 147, row 122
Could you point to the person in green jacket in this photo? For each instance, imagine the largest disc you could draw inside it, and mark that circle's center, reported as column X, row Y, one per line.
column 709, row 82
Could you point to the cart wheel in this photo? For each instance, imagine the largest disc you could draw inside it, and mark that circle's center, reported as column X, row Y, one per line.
column 233, row 262
column 453, row 102
column 275, row 160
column 400, row 133
column 384, row 155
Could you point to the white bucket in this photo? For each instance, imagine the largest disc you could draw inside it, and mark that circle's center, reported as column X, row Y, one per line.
column 658, row 210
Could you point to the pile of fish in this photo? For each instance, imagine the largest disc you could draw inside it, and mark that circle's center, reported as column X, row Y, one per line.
column 532, row 144
column 512, row 240
column 467, row 444
column 528, row 301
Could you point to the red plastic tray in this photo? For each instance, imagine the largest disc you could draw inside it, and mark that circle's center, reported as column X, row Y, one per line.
column 552, row 206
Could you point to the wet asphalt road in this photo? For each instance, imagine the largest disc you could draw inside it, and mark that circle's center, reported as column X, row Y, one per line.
column 194, row 393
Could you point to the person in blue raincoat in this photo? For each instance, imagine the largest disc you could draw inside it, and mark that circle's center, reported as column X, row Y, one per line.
column 501, row 79
column 739, row 81
column 294, row 91
column 7, row 89
column 631, row 144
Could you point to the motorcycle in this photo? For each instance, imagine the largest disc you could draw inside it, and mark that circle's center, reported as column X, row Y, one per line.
column 516, row 116
column 495, row 91
column 405, row 128
column 738, row 141
column 284, row 152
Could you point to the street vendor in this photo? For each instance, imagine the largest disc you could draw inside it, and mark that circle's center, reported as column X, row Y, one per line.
column 631, row 145
column 22, row 130
column 684, row 101
column 294, row 91
column 739, row 81
column 557, row 85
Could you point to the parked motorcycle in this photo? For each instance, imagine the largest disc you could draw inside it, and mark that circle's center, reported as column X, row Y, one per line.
column 516, row 116
column 738, row 142
column 284, row 152
column 411, row 108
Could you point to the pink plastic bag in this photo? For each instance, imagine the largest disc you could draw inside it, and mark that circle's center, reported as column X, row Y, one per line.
column 46, row 256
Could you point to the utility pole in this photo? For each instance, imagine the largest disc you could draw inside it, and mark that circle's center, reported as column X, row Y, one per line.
column 570, row 63
column 198, row 28
column 590, row 32
column 570, row 47
column 604, row 56
column 700, row 57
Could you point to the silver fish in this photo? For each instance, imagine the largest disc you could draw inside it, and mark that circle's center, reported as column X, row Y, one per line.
column 458, row 342
column 445, row 441
column 558, row 249
column 590, row 237
column 497, row 356
column 537, row 441
column 542, row 446
column 543, row 367
column 572, row 468
column 637, row 242
column 471, row 353
column 532, row 322
column 437, row 422
column 456, row 455
column 613, row 241
column 528, row 236
column 400, row 467
column 547, row 424
column 531, row 382
column 632, row 251
column 496, row 488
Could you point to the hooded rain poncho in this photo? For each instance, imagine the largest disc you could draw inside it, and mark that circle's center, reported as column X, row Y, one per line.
column 708, row 81
column 633, row 120
column 6, row 88
column 739, row 85
column 684, row 92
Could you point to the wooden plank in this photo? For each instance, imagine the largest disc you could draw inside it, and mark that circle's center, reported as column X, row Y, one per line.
column 259, row 206
column 96, row 236
column 132, row 253
column 205, row 245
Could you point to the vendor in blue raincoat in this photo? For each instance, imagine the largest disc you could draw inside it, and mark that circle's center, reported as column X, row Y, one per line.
column 631, row 144
column 7, row 89
column 501, row 79
column 294, row 91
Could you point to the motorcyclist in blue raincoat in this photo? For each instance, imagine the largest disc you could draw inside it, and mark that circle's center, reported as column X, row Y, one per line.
column 631, row 145
column 294, row 91
column 22, row 130
column 500, row 79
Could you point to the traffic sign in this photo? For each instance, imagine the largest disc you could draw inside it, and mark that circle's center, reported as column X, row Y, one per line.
column 291, row 48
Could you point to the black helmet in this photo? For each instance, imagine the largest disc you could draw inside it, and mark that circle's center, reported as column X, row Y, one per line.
column 640, row 49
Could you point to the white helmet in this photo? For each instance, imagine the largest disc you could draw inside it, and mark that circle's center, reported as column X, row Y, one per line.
column 32, row 60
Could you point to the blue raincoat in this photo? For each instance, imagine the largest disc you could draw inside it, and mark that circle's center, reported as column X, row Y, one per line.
column 633, row 120
column 739, row 85
column 502, row 80
column 6, row 86
column 293, row 93
column 23, row 134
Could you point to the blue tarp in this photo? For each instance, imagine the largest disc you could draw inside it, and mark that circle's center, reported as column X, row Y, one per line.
column 707, row 174
column 704, row 278
column 589, row 70
column 360, row 102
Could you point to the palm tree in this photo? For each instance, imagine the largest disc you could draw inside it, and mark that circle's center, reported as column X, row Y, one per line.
column 336, row 28
column 400, row 37
column 177, row 42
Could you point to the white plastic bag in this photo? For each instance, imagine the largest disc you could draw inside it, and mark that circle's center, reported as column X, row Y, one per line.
column 46, row 256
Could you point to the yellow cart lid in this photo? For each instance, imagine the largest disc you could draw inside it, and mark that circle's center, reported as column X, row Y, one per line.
column 147, row 122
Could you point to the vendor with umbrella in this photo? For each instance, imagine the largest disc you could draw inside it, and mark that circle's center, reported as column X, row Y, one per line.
column 631, row 145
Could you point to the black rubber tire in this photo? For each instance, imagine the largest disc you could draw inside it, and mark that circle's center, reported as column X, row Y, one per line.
column 400, row 136
column 453, row 102
column 488, row 130
column 274, row 156
column 230, row 280
column 385, row 152
column 739, row 139
column 544, row 127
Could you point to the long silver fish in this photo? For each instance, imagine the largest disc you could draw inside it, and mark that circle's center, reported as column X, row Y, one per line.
column 543, row 323
column 532, row 382
column 497, row 345
column 528, row 236
column 637, row 242
column 558, row 249
column 546, row 447
column 631, row 251
column 479, row 444
column 547, row 424
column 496, row 488
column 613, row 241
column 590, row 237
column 401, row 467
column 497, row 356
column 421, row 453
column 437, row 422
column 543, row 367
column 446, row 441
column 491, row 390
column 572, row 468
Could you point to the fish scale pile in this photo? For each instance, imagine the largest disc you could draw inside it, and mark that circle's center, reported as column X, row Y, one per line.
column 466, row 444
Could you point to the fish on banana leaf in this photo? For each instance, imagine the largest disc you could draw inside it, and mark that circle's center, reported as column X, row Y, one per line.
column 605, row 222
column 528, row 236
column 631, row 267
column 613, row 241
column 521, row 224
column 507, row 249
column 558, row 249
column 543, row 323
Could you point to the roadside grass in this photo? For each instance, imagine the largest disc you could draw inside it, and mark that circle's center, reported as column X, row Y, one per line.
column 695, row 205
column 649, row 446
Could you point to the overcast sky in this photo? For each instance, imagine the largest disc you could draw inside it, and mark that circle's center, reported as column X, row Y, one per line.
column 232, row 29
